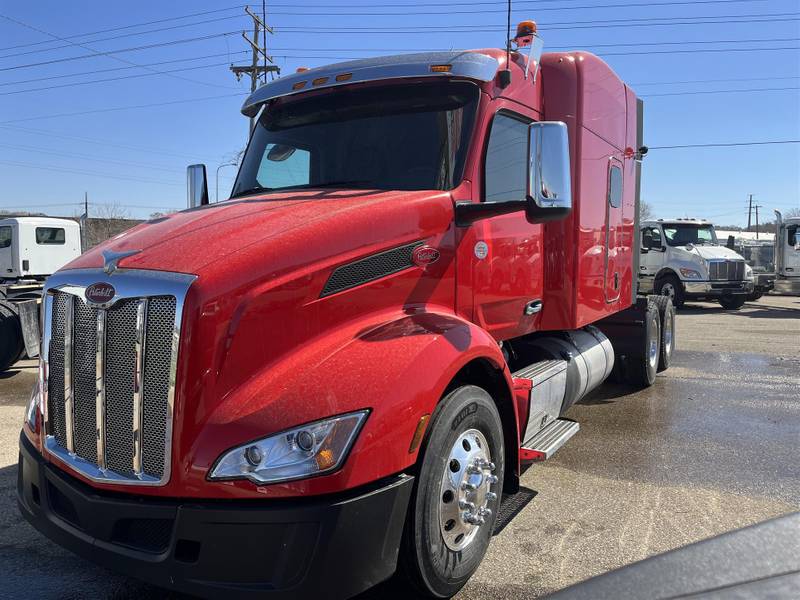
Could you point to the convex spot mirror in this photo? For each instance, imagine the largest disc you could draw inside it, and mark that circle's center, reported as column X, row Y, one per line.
column 549, row 194
column 280, row 152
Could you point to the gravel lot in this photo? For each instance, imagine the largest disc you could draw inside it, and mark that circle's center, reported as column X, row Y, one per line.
column 709, row 448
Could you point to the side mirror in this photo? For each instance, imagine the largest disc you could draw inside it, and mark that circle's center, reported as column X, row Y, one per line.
column 549, row 194
column 196, row 186
column 731, row 242
column 647, row 240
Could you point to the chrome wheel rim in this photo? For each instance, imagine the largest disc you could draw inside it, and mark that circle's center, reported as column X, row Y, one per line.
column 667, row 325
column 654, row 341
column 466, row 490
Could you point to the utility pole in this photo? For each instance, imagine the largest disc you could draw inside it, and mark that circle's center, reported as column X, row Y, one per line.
column 83, row 222
column 757, row 206
column 254, row 69
column 749, row 212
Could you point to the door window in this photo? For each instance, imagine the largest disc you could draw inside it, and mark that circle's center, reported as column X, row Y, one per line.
column 506, row 160
column 5, row 236
column 655, row 234
column 615, row 187
column 49, row 235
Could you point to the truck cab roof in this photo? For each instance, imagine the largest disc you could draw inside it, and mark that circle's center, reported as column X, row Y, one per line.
column 676, row 222
column 41, row 222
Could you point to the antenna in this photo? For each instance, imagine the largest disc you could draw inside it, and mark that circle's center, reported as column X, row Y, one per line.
column 505, row 74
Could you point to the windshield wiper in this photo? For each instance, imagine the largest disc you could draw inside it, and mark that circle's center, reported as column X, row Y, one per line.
column 252, row 190
column 329, row 184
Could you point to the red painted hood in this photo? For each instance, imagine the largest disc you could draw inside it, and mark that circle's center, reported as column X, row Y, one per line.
column 314, row 223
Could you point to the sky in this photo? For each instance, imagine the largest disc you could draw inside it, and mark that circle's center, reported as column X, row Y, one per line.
column 125, row 141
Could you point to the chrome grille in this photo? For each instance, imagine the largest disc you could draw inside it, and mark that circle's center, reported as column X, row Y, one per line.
column 726, row 270
column 111, row 375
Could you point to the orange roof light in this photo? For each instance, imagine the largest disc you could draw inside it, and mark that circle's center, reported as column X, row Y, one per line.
column 344, row 77
column 299, row 85
column 301, row 69
column 441, row 68
column 526, row 28
column 320, row 81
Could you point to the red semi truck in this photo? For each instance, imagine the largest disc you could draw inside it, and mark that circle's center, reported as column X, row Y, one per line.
column 336, row 374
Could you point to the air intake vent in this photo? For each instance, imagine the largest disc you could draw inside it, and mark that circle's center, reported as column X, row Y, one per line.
column 369, row 269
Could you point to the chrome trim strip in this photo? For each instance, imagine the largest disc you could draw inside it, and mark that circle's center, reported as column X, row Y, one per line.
column 69, row 401
column 468, row 65
column 138, row 384
column 100, row 388
column 129, row 283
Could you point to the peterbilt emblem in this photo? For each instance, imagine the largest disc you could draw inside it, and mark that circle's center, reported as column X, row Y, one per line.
column 422, row 256
column 100, row 293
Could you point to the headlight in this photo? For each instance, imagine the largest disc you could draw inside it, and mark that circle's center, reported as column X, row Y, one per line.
column 691, row 274
column 33, row 407
column 304, row 451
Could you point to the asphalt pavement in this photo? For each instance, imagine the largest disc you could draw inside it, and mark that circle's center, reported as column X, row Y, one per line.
column 711, row 447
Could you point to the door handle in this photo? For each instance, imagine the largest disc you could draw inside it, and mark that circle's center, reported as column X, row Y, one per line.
column 533, row 307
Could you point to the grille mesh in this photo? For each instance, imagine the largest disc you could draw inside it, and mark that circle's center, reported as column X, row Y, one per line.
column 84, row 363
column 120, row 367
column 158, row 345
column 370, row 268
column 56, row 373
column 118, row 376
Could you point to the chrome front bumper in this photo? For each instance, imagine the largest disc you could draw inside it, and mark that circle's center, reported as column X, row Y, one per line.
column 717, row 288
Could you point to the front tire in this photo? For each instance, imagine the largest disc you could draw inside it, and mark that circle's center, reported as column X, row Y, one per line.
column 671, row 287
column 11, row 344
column 732, row 302
column 456, row 495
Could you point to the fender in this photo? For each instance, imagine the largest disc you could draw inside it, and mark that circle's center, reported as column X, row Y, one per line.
column 397, row 364
column 667, row 271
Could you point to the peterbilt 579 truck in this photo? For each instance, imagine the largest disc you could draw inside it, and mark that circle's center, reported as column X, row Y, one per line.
column 334, row 376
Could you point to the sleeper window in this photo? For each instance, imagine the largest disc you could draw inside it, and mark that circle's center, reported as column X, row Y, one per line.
column 49, row 235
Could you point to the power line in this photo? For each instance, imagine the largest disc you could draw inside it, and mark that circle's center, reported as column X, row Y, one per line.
column 58, row 169
column 699, row 92
column 96, row 52
column 118, row 108
column 687, row 81
column 498, row 11
column 462, row 3
column 128, row 68
column 123, row 27
column 122, row 50
column 616, row 23
column 117, row 37
column 39, row 150
column 107, row 79
column 724, row 145
column 49, row 134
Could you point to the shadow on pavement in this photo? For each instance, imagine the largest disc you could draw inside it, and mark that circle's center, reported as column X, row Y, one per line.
column 751, row 310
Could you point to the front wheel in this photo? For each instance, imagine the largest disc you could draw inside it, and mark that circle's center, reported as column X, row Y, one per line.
column 732, row 302
column 671, row 287
column 457, row 494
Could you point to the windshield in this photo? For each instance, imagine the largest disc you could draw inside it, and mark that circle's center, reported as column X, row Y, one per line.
column 409, row 137
column 680, row 235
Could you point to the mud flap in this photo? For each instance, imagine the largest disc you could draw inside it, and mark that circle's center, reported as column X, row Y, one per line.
column 29, row 322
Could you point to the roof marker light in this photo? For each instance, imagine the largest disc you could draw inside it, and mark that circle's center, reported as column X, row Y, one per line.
column 301, row 69
column 441, row 68
column 299, row 85
column 344, row 77
column 320, row 81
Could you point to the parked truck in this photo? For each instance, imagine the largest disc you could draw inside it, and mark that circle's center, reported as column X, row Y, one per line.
column 332, row 377
column 787, row 254
column 683, row 260
column 31, row 248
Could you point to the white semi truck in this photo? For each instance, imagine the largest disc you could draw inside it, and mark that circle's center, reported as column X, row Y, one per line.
column 682, row 259
column 31, row 248
column 787, row 254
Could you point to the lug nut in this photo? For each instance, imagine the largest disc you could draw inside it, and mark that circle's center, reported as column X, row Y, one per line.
column 470, row 487
column 464, row 505
column 491, row 496
column 492, row 479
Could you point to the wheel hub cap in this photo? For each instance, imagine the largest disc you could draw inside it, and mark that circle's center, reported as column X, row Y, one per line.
column 465, row 493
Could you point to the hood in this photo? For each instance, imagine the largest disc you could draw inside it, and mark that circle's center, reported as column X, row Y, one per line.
column 274, row 226
column 716, row 253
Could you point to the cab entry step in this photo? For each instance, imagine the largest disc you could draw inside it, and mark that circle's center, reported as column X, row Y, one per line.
column 546, row 443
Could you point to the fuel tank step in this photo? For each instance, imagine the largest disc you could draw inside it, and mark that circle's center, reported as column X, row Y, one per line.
column 546, row 443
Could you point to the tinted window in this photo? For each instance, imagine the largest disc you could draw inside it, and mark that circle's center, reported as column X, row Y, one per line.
column 680, row 235
column 506, row 160
column 656, row 236
column 409, row 137
column 49, row 235
column 5, row 236
column 615, row 187
column 792, row 235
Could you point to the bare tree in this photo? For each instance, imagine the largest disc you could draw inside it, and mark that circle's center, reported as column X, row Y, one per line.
column 645, row 211
column 792, row 213
column 106, row 221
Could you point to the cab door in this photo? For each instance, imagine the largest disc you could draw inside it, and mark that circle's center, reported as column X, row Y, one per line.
column 614, row 231
column 7, row 251
column 505, row 251
column 650, row 259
